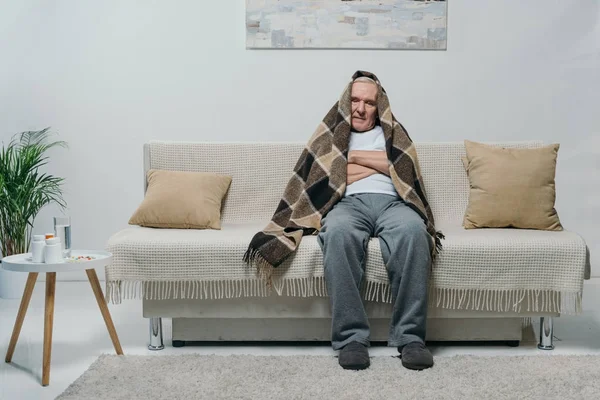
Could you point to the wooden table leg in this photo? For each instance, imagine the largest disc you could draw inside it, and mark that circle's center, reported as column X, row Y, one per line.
column 93, row 278
column 48, row 321
column 31, row 279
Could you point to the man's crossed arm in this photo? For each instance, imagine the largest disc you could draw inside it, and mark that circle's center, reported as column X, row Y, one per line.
column 364, row 163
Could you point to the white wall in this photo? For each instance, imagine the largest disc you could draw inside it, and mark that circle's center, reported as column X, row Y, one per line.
column 111, row 75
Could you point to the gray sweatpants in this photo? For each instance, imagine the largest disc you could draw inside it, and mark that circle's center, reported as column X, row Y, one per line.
column 406, row 250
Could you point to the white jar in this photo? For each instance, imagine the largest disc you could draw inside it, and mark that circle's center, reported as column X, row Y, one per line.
column 53, row 251
column 37, row 248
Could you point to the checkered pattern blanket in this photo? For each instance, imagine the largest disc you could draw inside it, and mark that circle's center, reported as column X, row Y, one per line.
column 319, row 182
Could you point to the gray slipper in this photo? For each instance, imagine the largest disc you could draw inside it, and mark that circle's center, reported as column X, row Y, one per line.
column 354, row 356
column 416, row 356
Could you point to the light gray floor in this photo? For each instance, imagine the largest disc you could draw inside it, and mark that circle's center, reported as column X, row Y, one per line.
column 80, row 337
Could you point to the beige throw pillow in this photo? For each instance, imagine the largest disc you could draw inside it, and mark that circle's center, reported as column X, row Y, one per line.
column 511, row 187
column 177, row 199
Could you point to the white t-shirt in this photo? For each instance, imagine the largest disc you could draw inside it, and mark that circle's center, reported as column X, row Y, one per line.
column 377, row 183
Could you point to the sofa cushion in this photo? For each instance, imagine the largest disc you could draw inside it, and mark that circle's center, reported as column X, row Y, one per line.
column 511, row 187
column 495, row 260
column 187, row 200
column 444, row 176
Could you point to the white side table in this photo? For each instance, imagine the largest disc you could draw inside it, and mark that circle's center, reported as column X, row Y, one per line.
column 22, row 263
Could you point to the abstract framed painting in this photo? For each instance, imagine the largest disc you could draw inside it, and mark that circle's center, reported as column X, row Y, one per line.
column 346, row 24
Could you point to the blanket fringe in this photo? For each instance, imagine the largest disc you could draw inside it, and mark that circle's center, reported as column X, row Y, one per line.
column 520, row 300
column 439, row 236
column 263, row 268
column 117, row 291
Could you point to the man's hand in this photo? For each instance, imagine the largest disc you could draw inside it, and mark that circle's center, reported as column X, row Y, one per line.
column 373, row 159
column 357, row 172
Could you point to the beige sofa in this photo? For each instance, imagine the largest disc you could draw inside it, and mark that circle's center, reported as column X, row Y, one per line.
column 484, row 286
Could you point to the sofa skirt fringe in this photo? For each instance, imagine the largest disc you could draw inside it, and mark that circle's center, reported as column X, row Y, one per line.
column 500, row 300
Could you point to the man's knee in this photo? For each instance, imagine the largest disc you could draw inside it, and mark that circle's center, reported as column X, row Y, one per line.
column 414, row 231
column 413, row 227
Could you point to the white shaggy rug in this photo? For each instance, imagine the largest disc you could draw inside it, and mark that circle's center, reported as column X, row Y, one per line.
column 320, row 377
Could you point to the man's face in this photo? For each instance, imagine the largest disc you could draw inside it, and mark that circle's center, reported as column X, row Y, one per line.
column 364, row 106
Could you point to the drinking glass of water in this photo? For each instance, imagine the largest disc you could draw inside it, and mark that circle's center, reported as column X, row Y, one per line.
column 62, row 230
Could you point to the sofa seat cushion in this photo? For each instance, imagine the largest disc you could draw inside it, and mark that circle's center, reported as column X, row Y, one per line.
column 498, row 267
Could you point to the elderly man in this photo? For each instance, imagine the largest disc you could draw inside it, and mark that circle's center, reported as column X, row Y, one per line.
column 359, row 178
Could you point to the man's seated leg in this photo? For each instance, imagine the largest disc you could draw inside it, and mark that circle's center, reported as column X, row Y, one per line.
column 344, row 238
column 406, row 250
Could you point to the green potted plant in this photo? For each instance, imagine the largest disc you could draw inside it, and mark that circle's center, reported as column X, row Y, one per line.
column 24, row 191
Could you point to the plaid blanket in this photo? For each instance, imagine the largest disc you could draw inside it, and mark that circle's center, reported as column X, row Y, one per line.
column 319, row 182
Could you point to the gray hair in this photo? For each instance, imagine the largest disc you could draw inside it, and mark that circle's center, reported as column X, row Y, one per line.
column 366, row 80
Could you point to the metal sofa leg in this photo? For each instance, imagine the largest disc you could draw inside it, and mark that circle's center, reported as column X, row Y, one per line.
column 156, row 335
column 546, row 333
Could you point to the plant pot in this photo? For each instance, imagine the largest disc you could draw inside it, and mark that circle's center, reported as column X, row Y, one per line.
column 12, row 284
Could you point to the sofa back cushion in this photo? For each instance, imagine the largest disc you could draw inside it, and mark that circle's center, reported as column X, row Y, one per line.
column 261, row 172
column 182, row 200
